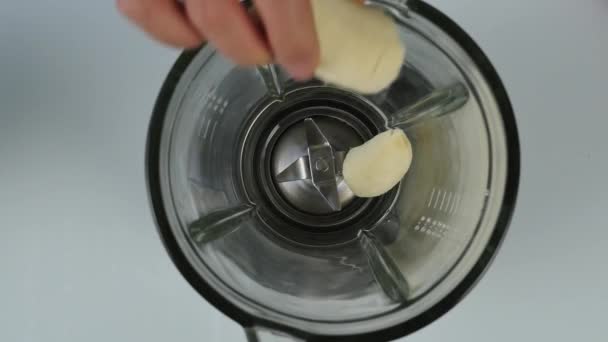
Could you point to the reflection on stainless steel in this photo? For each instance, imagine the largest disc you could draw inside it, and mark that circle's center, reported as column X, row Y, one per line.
column 298, row 170
column 318, row 164
column 322, row 164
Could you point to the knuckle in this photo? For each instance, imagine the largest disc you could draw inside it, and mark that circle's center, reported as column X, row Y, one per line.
column 211, row 21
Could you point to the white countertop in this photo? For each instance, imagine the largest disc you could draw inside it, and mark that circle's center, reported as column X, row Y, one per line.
column 80, row 259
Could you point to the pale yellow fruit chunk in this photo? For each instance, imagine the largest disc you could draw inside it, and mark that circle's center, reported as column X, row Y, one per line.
column 360, row 46
column 375, row 167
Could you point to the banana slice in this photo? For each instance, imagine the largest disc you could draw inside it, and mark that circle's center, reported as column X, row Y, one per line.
column 375, row 167
column 360, row 46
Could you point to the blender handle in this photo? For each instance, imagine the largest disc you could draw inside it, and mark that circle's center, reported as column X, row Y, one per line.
column 258, row 333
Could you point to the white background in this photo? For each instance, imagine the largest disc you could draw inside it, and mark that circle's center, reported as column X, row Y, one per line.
column 79, row 256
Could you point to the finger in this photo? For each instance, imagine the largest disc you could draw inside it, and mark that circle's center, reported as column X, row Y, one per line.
column 291, row 31
column 227, row 25
column 164, row 20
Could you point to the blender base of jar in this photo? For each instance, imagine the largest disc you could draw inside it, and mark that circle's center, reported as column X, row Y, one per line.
column 290, row 163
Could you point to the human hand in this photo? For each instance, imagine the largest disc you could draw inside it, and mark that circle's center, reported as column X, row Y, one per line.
column 286, row 35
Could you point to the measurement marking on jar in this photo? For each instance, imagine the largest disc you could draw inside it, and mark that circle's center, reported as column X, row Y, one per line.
column 442, row 200
column 436, row 228
column 437, row 199
column 220, row 105
column 431, row 198
column 213, row 102
column 206, row 129
column 431, row 227
column 456, row 204
column 212, row 130
column 450, row 208
column 449, row 201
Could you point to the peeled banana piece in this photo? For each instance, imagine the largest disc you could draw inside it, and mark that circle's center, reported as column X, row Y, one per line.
column 360, row 46
column 375, row 167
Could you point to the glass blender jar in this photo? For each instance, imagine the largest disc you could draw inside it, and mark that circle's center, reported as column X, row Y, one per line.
column 244, row 174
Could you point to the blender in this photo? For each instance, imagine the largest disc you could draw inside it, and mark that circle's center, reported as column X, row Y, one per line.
column 244, row 170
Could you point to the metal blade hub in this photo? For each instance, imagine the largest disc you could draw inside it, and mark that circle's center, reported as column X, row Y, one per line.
column 313, row 181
